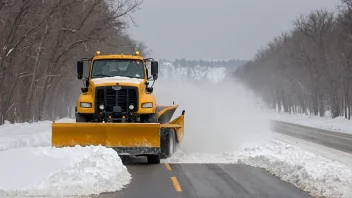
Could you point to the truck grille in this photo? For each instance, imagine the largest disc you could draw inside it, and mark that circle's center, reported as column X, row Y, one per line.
column 117, row 99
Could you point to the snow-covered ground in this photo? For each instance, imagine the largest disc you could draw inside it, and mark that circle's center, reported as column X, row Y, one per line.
column 30, row 167
column 26, row 134
column 308, row 171
column 27, row 169
column 339, row 124
column 45, row 171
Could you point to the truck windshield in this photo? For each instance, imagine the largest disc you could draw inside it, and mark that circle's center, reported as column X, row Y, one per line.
column 112, row 67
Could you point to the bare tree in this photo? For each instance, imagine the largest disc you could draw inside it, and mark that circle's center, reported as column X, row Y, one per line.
column 40, row 42
column 309, row 68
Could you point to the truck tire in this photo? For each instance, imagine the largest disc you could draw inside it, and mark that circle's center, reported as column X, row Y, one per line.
column 153, row 159
column 153, row 118
column 80, row 118
column 168, row 143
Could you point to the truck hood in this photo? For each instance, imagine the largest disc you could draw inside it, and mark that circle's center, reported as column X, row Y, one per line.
column 124, row 81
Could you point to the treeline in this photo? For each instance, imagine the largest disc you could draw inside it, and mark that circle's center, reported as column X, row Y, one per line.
column 40, row 42
column 307, row 70
column 195, row 73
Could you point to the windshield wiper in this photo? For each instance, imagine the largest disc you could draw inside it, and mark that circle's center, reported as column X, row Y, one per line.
column 101, row 75
column 129, row 76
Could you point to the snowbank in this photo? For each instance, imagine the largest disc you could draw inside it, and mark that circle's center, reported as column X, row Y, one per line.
column 46, row 171
column 339, row 124
column 31, row 167
column 26, row 134
column 309, row 172
column 315, row 174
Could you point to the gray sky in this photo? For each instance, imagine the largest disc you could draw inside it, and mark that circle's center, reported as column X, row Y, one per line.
column 217, row 29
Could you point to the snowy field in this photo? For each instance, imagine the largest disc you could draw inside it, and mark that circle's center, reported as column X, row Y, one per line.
column 30, row 167
column 339, row 124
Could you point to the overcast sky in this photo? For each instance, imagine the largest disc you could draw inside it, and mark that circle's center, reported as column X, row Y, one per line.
column 216, row 29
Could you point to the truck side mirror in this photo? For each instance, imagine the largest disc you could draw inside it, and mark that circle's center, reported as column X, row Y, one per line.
column 154, row 69
column 79, row 69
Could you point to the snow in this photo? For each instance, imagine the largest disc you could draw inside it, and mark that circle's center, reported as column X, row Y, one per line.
column 218, row 115
column 169, row 71
column 339, row 124
column 46, row 171
column 327, row 152
column 310, row 172
column 228, row 122
column 26, row 134
column 121, row 79
column 31, row 167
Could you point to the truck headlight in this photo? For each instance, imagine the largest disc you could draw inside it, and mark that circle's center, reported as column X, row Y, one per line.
column 147, row 105
column 86, row 105
column 131, row 107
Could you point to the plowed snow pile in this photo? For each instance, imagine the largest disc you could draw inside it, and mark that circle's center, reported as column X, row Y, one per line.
column 26, row 170
column 315, row 174
column 26, row 134
column 312, row 173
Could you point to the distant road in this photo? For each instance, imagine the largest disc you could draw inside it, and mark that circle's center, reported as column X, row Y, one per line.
column 332, row 139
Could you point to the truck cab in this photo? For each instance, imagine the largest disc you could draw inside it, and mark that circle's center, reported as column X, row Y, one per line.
column 117, row 89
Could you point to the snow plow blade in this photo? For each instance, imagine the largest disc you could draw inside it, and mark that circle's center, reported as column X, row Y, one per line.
column 129, row 138
column 125, row 138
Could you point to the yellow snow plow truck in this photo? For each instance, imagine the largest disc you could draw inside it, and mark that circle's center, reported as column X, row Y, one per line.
column 116, row 109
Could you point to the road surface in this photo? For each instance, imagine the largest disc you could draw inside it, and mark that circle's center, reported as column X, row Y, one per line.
column 332, row 139
column 222, row 180
column 202, row 180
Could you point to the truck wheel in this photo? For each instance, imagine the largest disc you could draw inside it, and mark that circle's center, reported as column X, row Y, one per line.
column 153, row 159
column 80, row 118
column 168, row 143
column 152, row 118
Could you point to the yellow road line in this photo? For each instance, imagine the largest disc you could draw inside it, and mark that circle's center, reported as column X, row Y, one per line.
column 176, row 184
column 168, row 166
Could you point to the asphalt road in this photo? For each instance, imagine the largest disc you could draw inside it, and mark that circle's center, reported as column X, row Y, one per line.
column 332, row 139
column 202, row 180
column 222, row 180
